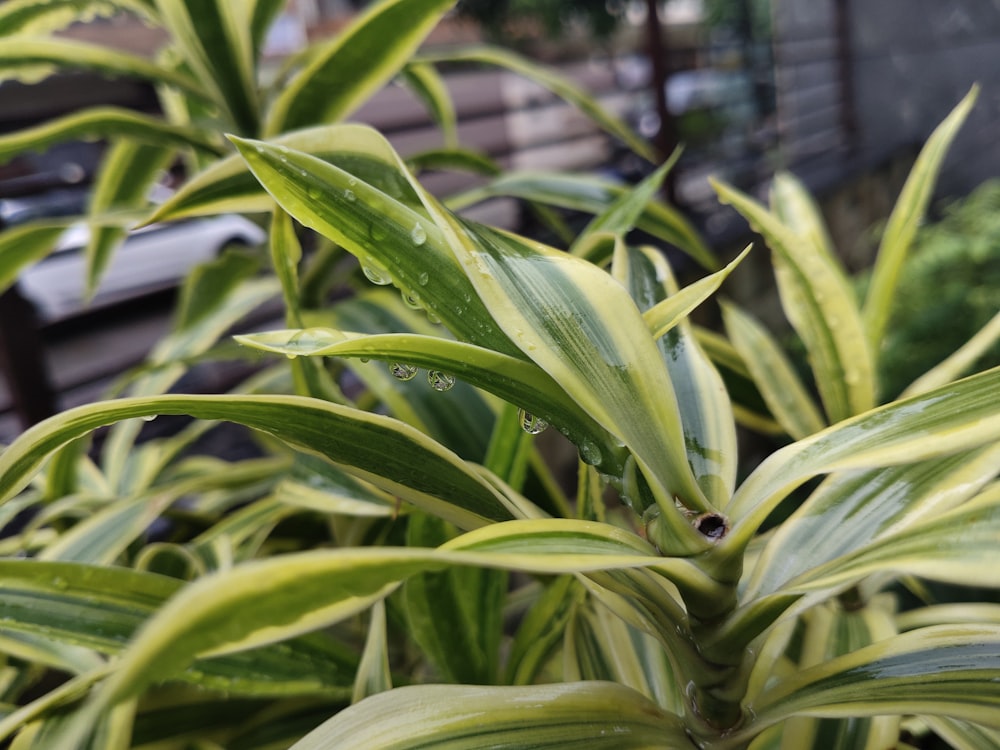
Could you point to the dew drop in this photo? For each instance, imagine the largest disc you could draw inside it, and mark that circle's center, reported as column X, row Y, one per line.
column 352, row 181
column 590, row 453
column 364, row 360
column 148, row 417
column 314, row 194
column 440, row 381
column 60, row 583
column 530, row 423
column 402, row 371
column 375, row 274
column 412, row 301
column 260, row 149
column 350, row 196
column 283, row 149
column 423, row 278
column 418, row 234
column 303, row 172
column 433, row 318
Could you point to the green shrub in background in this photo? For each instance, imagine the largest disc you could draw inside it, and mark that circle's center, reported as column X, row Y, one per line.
column 949, row 289
column 160, row 600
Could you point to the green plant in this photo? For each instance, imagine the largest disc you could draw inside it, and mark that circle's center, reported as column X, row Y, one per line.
column 956, row 263
column 666, row 620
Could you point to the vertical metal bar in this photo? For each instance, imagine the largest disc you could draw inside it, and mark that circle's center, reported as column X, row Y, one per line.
column 666, row 137
column 845, row 74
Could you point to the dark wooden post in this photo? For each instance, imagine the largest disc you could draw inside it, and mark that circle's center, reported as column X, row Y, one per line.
column 666, row 137
column 22, row 359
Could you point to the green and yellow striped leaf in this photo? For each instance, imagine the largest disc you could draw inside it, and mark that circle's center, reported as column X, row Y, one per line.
column 905, row 219
column 815, row 295
column 581, row 327
column 960, row 416
column 386, row 452
column 959, row 362
column 107, row 122
column 36, row 18
column 344, row 72
column 23, row 245
column 705, row 413
column 558, row 84
column 30, row 53
column 214, row 39
column 518, row 382
column 594, row 195
column 831, row 632
column 397, row 243
column 548, row 717
column 855, row 510
column 99, row 609
column 775, row 378
column 127, row 171
column 941, row 671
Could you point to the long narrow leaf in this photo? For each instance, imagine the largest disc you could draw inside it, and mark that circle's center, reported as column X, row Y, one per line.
column 706, row 416
column 33, row 17
column 943, row 671
column 905, row 219
column 516, row 381
column 774, row 376
column 30, row 52
column 550, row 717
column 127, row 171
column 956, row 417
column 106, row 122
column 396, row 242
column 815, row 296
column 388, row 453
column 592, row 195
column 854, row 510
column 288, row 595
column 346, row 71
column 581, row 327
column 213, row 37
column 558, row 84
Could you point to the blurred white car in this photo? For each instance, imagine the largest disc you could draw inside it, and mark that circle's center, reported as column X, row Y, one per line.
column 151, row 259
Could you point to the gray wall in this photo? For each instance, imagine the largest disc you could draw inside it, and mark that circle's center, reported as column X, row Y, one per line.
column 909, row 63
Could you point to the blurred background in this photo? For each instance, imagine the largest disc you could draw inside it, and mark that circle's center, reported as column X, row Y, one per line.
column 841, row 92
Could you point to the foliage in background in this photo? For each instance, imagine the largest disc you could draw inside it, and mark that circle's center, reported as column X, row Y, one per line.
column 509, row 20
column 350, row 587
column 948, row 290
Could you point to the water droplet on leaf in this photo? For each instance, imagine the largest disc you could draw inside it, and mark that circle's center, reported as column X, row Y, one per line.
column 590, row 453
column 418, row 234
column 530, row 423
column 440, row 381
column 375, row 274
column 350, row 196
column 423, row 278
column 402, row 371
column 412, row 301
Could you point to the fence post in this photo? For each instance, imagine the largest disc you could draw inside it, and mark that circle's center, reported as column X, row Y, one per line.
column 22, row 359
